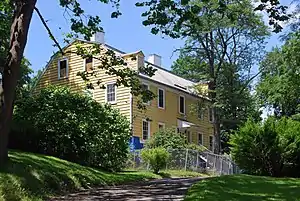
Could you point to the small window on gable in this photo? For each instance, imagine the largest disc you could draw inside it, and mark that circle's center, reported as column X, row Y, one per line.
column 182, row 104
column 89, row 64
column 111, row 93
column 161, row 98
column 63, row 68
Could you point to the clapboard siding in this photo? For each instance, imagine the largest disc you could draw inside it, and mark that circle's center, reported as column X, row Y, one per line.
column 76, row 83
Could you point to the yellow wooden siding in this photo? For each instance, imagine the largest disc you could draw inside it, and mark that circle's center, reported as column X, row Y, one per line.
column 170, row 114
column 76, row 83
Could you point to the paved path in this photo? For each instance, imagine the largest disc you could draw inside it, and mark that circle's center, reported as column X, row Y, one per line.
column 156, row 190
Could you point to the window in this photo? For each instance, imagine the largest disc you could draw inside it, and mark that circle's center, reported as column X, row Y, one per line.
column 161, row 98
column 88, row 66
column 210, row 114
column 188, row 136
column 145, row 87
column 146, row 130
column 111, row 93
column 200, row 111
column 200, row 138
column 211, row 143
column 181, row 104
column 63, row 68
column 161, row 126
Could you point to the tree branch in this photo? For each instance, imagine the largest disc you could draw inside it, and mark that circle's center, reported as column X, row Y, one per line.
column 48, row 30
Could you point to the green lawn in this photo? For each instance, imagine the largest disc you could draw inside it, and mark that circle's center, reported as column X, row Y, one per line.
column 34, row 177
column 245, row 188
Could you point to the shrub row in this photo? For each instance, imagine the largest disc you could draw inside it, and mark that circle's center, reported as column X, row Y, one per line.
column 72, row 127
column 271, row 148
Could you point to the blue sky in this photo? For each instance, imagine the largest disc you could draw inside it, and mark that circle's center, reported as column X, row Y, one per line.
column 125, row 33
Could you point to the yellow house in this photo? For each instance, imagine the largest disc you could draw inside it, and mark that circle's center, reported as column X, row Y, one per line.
column 173, row 107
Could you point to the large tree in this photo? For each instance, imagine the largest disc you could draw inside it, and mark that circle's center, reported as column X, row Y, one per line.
column 279, row 84
column 233, row 96
column 16, row 16
column 220, row 35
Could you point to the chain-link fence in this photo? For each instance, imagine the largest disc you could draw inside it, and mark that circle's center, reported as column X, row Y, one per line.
column 191, row 160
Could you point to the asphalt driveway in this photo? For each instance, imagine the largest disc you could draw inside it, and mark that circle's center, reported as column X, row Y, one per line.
column 161, row 189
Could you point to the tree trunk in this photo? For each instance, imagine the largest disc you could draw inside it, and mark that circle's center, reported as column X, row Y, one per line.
column 18, row 39
column 216, row 118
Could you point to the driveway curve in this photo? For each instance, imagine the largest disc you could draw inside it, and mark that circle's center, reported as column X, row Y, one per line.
column 155, row 190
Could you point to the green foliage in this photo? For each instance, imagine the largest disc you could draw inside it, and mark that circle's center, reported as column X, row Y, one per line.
column 244, row 187
column 72, row 127
column 168, row 139
column 196, row 147
column 156, row 157
column 271, row 148
column 279, row 84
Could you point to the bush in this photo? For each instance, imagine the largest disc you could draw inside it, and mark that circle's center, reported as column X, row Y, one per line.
column 156, row 157
column 168, row 139
column 73, row 127
column 271, row 148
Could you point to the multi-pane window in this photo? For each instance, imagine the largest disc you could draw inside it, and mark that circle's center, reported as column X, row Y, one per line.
column 145, row 87
column 181, row 104
column 200, row 138
column 210, row 114
column 111, row 93
column 211, row 142
column 161, row 126
column 146, row 129
column 63, row 68
column 89, row 64
column 161, row 98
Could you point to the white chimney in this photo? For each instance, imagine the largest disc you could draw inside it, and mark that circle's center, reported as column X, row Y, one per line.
column 155, row 59
column 98, row 37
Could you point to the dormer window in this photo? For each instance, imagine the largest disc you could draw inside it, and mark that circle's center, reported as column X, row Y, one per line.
column 63, row 68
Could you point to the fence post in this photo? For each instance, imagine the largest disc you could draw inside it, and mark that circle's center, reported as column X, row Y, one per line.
column 186, row 158
column 221, row 165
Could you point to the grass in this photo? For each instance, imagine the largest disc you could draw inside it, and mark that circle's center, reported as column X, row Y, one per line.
column 246, row 188
column 180, row 173
column 35, row 177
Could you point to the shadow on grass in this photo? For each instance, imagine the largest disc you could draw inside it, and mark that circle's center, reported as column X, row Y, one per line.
column 34, row 175
column 245, row 187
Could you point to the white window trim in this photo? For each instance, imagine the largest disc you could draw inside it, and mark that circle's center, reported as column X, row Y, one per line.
column 162, row 124
column 148, row 88
column 183, row 104
column 112, row 102
column 213, row 142
column 164, row 100
column 142, row 140
column 211, row 121
column 84, row 63
column 201, row 138
column 67, row 73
